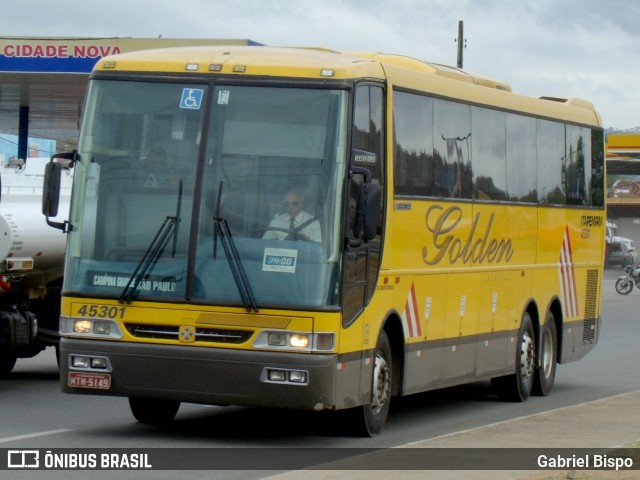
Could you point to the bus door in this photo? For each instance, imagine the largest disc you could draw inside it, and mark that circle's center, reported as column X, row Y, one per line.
column 362, row 251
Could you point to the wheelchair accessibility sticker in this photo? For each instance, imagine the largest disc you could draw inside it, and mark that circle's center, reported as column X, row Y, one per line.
column 191, row 98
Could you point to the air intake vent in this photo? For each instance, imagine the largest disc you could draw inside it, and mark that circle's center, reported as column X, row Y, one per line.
column 210, row 335
column 591, row 302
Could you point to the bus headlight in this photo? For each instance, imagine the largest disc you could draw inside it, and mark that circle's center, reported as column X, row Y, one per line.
column 297, row 376
column 80, row 362
column 284, row 376
column 102, row 328
column 86, row 362
column 87, row 327
column 277, row 339
column 81, row 326
column 299, row 340
column 295, row 341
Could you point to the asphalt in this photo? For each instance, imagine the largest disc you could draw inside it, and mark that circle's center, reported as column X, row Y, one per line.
column 606, row 423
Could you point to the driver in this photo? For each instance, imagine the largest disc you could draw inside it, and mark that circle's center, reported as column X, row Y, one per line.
column 295, row 223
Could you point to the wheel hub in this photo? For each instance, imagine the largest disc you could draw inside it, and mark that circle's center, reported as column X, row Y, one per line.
column 381, row 384
column 546, row 362
column 527, row 357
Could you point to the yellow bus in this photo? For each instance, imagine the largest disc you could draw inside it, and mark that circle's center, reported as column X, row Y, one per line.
column 320, row 230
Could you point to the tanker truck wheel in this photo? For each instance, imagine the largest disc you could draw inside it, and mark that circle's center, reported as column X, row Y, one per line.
column 7, row 362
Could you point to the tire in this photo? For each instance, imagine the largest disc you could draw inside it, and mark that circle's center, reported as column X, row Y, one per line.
column 369, row 420
column 153, row 411
column 624, row 285
column 7, row 362
column 518, row 386
column 547, row 358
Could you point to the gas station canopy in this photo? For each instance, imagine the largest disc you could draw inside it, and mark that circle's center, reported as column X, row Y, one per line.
column 43, row 81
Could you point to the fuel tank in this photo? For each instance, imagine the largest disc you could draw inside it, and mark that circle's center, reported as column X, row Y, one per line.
column 26, row 241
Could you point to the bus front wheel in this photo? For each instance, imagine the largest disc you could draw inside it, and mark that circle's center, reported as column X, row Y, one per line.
column 369, row 420
column 153, row 411
column 517, row 387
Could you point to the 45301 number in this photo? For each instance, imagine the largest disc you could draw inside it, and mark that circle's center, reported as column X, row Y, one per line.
column 101, row 311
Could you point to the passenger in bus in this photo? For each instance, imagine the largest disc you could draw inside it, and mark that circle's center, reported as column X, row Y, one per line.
column 294, row 223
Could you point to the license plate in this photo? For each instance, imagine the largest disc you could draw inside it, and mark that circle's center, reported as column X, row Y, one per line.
column 95, row 381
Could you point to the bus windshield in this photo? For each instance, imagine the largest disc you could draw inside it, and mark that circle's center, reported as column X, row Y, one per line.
column 223, row 194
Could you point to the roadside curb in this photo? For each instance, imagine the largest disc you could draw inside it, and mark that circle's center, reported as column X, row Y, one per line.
column 604, row 423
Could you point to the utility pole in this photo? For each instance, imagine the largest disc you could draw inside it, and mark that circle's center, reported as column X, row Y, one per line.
column 461, row 42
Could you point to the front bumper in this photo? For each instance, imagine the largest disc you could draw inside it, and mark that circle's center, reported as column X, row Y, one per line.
column 204, row 375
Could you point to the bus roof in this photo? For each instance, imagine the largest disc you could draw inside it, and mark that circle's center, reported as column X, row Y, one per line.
column 316, row 63
column 311, row 63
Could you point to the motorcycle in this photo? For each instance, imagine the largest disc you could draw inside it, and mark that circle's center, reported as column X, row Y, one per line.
column 625, row 284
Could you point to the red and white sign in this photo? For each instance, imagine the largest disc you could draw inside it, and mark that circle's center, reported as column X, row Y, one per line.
column 411, row 316
column 567, row 278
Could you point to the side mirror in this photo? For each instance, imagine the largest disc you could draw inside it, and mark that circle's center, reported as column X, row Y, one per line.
column 51, row 189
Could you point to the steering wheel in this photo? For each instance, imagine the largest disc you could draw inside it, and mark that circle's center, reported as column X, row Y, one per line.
column 298, row 236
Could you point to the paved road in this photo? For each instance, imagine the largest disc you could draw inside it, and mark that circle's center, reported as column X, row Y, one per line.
column 607, row 414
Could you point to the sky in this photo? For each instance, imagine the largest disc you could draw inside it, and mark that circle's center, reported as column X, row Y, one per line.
column 562, row 48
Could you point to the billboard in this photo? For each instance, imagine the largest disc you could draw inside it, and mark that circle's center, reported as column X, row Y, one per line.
column 79, row 55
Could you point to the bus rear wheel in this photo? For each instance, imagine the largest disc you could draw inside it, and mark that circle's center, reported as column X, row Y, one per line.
column 369, row 420
column 517, row 387
column 547, row 358
column 153, row 411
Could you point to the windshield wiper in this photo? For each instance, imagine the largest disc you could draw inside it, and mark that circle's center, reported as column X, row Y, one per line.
column 221, row 228
column 149, row 259
column 156, row 247
column 175, row 230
